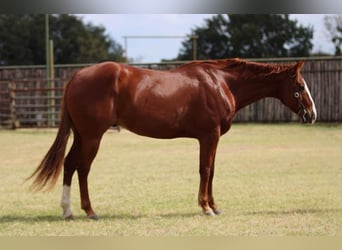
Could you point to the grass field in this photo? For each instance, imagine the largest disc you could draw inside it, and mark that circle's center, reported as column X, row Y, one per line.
column 269, row 180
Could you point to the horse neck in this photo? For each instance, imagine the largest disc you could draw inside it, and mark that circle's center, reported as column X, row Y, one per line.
column 249, row 87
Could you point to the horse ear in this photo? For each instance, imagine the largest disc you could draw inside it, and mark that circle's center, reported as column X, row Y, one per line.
column 299, row 65
column 296, row 69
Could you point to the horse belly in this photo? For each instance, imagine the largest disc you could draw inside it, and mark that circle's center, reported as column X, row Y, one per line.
column 154, row 122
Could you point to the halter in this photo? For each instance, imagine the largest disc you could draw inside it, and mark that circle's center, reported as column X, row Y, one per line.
column 297, row 94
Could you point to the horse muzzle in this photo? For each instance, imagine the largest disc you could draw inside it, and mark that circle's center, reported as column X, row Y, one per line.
column 307, row 117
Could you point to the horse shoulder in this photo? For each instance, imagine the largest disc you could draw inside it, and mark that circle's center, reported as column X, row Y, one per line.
column 219, row 100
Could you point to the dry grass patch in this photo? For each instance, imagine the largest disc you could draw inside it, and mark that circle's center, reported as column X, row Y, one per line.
column 269, row 180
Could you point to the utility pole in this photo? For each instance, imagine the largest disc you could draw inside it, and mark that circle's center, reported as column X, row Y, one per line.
column 47, row 46
column 49, row 73
column 194, row 47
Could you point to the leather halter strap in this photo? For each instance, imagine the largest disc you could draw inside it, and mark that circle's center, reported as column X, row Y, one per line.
column 297, row 94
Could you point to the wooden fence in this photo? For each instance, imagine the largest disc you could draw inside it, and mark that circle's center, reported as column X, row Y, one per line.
column 28, row 100
column 30, row 103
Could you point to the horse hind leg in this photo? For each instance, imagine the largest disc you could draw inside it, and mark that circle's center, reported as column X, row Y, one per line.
column 70, row 165
column 88, row 152
column 79, row 158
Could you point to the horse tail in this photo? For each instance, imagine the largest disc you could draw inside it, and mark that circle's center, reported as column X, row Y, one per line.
column 49, row 169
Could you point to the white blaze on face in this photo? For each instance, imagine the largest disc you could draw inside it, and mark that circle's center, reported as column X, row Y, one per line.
column 65, row 202
column 314, row 112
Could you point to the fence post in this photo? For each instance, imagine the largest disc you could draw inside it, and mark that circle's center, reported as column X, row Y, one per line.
column 13, row 122
column 51, row 85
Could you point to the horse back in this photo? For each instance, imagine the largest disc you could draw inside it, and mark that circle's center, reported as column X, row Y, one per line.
column 160, row 104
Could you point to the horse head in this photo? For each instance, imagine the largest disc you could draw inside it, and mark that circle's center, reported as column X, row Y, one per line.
column 297, row 96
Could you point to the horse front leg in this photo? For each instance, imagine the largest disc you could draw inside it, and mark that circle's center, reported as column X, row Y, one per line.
column 208, row 146
column 212, row 203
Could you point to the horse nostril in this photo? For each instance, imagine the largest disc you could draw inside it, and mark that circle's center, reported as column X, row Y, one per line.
column 307, row 118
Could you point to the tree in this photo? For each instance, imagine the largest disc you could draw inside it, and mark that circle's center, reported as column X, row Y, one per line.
column 14, row 36
column 22, row 40
column 334, row 26
column 249, row 36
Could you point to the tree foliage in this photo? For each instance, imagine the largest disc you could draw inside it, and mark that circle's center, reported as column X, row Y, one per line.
column 22, row 40
column 334, row 26
column 249, row 36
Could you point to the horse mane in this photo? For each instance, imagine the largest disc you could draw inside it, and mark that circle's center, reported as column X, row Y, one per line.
column 240, row 64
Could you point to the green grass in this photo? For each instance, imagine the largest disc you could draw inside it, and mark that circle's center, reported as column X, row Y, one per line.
column 269, row 180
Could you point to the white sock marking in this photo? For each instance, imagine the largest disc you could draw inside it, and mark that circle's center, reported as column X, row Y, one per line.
column 65, row 202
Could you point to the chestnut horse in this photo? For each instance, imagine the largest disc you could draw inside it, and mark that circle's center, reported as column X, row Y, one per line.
column 196, row 100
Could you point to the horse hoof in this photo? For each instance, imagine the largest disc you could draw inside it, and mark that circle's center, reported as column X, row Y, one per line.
column 218, row 212
column 93, row 217
column 69, row 217
column 208, row 213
